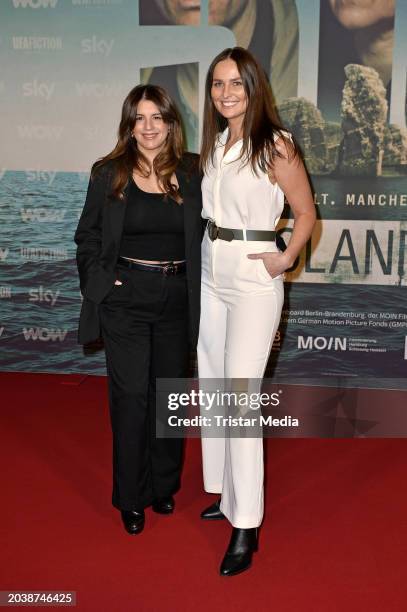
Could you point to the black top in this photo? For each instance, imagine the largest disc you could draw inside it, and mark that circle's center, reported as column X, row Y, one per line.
column 153, row 227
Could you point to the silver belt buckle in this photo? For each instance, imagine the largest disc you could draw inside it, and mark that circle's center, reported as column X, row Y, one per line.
column 169, row 269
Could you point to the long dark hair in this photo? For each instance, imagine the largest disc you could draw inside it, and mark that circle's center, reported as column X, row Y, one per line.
column 260, row 123
column 126, row 154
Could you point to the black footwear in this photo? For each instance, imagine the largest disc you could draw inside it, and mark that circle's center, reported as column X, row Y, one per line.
column 238, row 557
column 213, row 513
column 133, row 521
column 165, row 505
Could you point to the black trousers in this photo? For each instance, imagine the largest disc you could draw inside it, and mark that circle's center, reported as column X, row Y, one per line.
column 145, row 330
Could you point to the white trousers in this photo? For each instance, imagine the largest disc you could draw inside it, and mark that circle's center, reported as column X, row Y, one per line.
column 240, row 313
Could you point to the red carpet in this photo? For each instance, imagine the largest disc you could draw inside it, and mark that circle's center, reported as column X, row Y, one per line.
column 334, row 536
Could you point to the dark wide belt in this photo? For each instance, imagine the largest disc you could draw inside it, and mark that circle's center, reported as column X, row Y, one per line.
column 169, row 269
column 226, row 233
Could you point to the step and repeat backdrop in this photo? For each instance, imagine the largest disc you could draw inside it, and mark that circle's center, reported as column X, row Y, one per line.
column 338, row 73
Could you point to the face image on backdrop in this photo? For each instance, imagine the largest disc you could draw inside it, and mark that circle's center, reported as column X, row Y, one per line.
column 267, row 28
column 170, row 12
column 353, row 32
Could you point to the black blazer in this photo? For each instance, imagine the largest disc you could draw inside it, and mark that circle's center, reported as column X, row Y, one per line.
column 98, row 237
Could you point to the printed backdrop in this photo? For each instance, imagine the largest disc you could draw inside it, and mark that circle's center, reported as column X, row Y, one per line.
column 66, row 68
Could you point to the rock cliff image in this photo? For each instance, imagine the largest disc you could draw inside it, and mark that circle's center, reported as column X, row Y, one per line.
column 319, row 140
column 363, row 144
column 364, row 115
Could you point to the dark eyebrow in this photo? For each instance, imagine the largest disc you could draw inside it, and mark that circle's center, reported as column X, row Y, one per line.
column 222, row 80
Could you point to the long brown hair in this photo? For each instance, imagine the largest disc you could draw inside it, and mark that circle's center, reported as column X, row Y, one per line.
column 260, row 122
column 126, row 154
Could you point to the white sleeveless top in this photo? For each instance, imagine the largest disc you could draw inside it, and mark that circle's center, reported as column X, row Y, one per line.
column 233, row 196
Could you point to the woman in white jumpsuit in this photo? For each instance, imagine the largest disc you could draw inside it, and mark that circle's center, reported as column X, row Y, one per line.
column 249, row 165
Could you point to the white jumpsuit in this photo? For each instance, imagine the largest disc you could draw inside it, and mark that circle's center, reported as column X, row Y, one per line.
column 240, row 313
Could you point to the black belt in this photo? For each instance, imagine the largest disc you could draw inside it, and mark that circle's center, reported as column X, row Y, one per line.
column 168, row 269
column 225, row 233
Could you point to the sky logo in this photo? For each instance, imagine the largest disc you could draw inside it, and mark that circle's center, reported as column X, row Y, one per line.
column 43, row 295
column 38, row 90
column 45, row 176
column 95, row 45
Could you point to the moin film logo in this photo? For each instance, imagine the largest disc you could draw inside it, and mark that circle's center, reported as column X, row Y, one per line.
column 322, row 343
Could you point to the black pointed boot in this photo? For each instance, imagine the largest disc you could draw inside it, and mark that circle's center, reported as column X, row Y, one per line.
column 238, row 557
column 213, row 512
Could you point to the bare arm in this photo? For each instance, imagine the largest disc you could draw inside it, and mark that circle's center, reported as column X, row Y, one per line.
column 291, row 176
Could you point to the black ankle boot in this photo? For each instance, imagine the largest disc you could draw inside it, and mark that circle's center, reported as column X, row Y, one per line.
column 238, row 557
column 213, row 513
column 133, row 521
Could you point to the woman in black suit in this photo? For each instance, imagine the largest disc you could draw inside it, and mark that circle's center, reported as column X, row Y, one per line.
column 138, row 258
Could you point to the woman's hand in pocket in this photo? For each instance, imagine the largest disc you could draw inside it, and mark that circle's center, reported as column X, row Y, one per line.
column 275, row 263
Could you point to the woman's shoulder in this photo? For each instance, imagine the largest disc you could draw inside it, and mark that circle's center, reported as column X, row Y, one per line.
column 282, row 134
column 103, row 170
column 284, row 143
